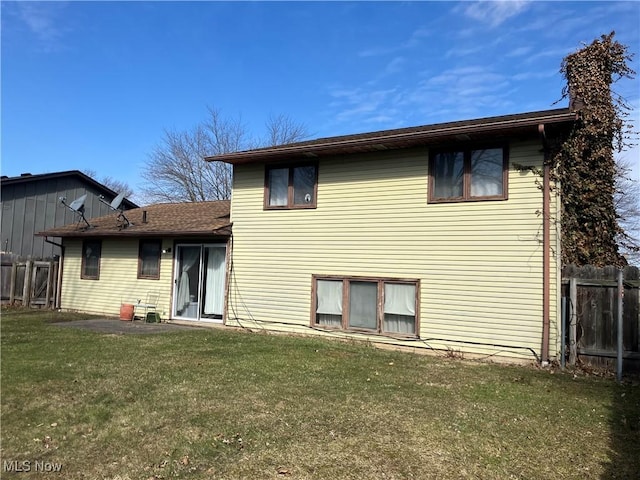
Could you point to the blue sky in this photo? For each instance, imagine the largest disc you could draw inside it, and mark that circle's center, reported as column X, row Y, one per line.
column 93, row 85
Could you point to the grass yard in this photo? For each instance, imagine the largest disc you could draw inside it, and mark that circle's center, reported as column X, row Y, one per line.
column 230, row 404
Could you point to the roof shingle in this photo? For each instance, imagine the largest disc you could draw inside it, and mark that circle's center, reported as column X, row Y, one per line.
column 162, row 219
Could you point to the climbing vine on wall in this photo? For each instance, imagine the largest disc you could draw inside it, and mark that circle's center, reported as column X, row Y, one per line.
column 584, row 162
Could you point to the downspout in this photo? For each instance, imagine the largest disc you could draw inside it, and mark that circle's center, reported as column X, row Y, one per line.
column 46, row 239
column 546, row 247
column 227, row 283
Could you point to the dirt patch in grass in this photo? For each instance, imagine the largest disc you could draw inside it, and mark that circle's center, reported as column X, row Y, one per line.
column 118, row 327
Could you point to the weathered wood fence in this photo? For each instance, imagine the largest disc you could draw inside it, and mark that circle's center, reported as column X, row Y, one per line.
column 31, row 283
column 590, row 296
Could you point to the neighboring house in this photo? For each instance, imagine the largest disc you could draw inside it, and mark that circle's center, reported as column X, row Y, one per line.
column 31, row 203
column 442, row 236
column 175, row 251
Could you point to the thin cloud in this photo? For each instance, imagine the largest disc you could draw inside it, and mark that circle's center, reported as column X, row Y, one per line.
column 465, row 76
column 451, row 94
column 42, row 20
column 535, row 75
column 471, row 46
column 425, row 92
column 568, row 19
column 418, row 35
column 395, row 66
column 380, row 119
column 495, row 13
column 518, row 52
column 377, row 51
column 414, row 40
column 557, row 53
column 463, row 52
column 359, row 103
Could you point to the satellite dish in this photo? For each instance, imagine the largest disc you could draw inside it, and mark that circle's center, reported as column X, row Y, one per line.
column 115, row 205
column 76, row 206
column 117, row 201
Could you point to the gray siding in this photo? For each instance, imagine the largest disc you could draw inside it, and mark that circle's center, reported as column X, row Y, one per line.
column 33, row 206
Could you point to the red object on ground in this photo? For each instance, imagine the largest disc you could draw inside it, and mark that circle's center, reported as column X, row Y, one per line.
column 126, row 312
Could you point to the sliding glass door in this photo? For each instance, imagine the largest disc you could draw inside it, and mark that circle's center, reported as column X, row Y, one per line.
column 199, row 282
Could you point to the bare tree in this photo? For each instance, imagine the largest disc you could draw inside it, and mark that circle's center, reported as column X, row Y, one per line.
column 114, row 184
column 174, row 173
column 225, row 134
column 176, row 170
column 627, row 202
column 281, row 129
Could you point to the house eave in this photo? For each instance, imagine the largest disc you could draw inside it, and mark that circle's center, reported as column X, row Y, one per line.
column 126, row 233
column 478, row 129
column 29, row 178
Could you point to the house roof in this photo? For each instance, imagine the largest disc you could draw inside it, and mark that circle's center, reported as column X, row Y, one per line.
column 28, row 177
column 476, row 129
column 194, row 219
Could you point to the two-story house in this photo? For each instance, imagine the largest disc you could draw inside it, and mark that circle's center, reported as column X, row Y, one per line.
column 442, row 236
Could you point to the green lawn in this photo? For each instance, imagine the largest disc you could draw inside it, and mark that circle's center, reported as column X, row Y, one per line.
column 230, row 404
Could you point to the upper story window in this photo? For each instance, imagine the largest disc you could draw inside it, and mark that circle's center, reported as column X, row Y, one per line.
column 293, row 186
column 91, row 252
column 149, row 259
column 468, row 175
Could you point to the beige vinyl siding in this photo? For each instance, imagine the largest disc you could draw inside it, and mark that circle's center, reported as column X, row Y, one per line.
column 118, row 283
column 479, row 263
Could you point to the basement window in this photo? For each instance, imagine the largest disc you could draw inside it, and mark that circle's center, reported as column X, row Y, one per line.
column 468, row 174
column 289, row 187
column 376, row 305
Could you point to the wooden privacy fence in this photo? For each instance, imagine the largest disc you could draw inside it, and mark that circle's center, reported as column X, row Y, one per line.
column 591, row 299
column 31, row 283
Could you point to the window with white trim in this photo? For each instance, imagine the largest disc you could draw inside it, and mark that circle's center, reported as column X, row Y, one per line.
column 379, row 305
